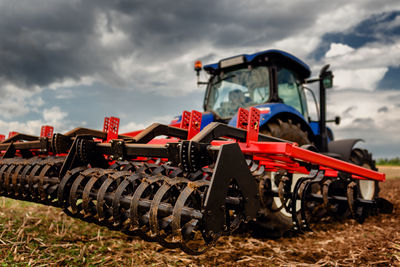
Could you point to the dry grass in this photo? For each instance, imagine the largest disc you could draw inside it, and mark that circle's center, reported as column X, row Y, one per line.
column 390, row 171
column 37, row 235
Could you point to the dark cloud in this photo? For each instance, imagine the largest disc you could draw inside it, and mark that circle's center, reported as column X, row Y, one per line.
column 363, row 123
column 45, row 41
column 383, row 109
column 347, row 112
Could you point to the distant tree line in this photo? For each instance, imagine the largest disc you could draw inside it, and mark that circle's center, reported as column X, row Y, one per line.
column 390, row 162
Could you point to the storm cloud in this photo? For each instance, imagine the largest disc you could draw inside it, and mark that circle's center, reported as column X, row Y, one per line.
column 79, row 60
column 134, row 44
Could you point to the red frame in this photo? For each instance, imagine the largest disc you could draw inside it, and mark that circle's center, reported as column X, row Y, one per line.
column 279, row 155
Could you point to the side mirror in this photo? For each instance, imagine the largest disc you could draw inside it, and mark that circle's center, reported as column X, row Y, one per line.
column 327, row 80
column 326, row 76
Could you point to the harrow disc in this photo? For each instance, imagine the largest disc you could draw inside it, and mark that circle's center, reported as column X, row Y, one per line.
column 190, row 232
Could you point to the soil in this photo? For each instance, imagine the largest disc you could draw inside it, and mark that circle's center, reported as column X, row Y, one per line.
column 37, row 235
column 376, row 242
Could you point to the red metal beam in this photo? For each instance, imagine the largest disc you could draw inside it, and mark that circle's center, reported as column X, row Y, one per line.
column 264, row 149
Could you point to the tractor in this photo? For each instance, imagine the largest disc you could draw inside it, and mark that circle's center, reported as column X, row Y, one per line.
column 274, row 82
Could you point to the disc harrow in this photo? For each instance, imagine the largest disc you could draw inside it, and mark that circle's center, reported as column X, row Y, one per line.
column 34, row 179
column 156, row 205
column 183, row 191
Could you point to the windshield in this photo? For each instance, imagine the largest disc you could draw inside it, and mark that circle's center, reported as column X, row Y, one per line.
column 238, row 88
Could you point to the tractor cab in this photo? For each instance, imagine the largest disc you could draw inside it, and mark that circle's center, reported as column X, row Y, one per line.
column 271, row 76
column 272, row 81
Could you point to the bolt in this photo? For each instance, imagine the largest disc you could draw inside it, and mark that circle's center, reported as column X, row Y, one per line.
column 119, row 143
column 111, row 157
column 120, row 158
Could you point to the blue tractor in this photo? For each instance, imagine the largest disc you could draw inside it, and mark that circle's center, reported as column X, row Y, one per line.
column 274, row 82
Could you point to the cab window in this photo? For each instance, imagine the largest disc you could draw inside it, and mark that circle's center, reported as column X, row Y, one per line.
column 289, row 89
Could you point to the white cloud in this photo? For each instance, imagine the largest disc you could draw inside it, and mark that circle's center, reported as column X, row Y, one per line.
column 360, row 118
column 371, row 55
column 134, row 126
column 16, row 101
column 131, row 126
column 65, row 94
column 338, row 50
column 358, row 78
column 54, row 115
column 291, row 44
column 364, row 67
column 68, row 82
column 30, row 127
column 110, row 36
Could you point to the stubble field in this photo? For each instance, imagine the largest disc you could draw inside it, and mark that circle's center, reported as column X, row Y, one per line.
column 37, row 235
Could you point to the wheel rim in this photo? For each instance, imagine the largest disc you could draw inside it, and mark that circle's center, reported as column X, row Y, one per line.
column 277, row 201
column 367, row 187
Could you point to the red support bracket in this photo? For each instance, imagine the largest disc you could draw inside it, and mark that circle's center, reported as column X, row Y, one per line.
column 194, row 123
column 2, row 137
column 11, row 134
column 111, row 127
column 46, row 131
column 185, row 120
column 106, row 123
column 242, row 119
column 253, row 125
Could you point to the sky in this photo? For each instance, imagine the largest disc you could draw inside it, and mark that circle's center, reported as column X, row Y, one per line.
column 71, row 63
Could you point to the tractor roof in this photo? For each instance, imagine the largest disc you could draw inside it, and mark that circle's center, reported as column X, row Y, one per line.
column 279, row 57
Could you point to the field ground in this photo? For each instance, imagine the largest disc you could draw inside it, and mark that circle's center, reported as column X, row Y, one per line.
column 37, row 235
column 390, row 171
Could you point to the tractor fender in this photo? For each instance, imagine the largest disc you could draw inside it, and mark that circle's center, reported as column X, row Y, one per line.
column 343, row 147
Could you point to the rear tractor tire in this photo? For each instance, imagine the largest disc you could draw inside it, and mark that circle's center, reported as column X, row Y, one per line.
column 287, row 130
